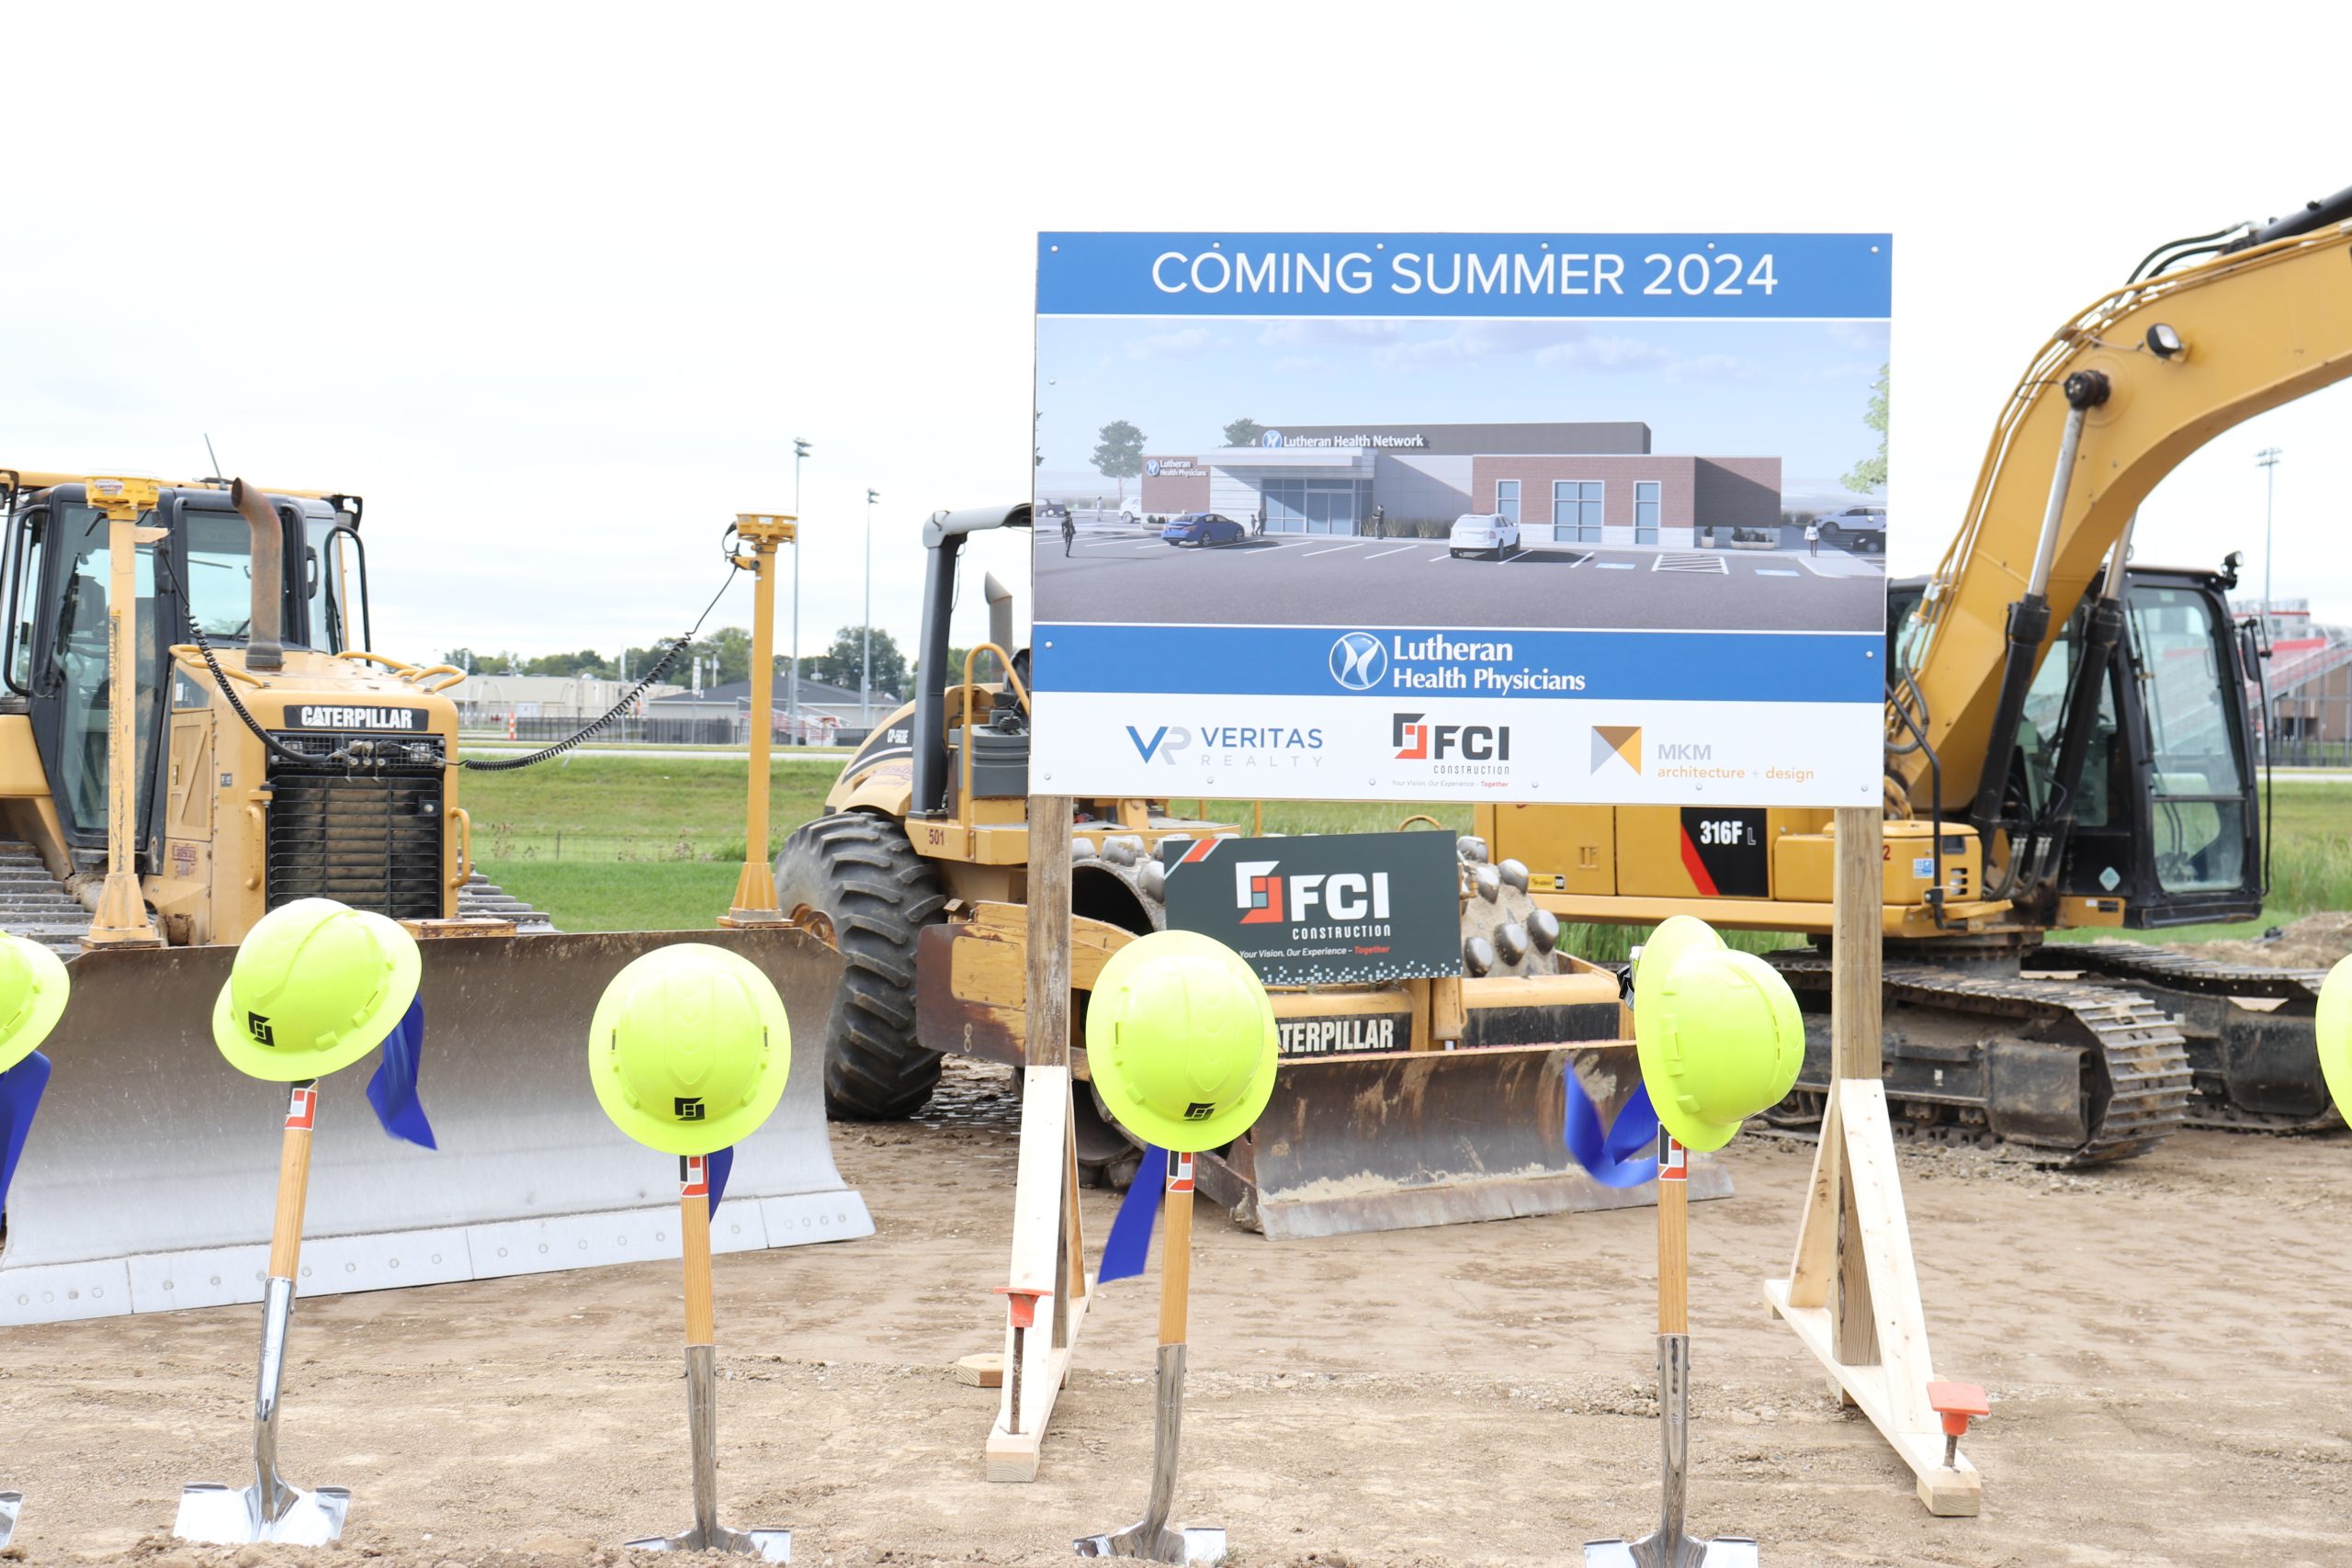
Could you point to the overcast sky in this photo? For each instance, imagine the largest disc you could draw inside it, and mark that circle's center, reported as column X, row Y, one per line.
column 555, row 288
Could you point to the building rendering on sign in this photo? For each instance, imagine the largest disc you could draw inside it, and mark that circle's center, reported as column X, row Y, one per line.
column 1582, row 483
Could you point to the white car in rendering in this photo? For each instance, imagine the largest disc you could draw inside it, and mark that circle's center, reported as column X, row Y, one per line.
column 1131, row 511
column 1860, row 527
column 1489, row 533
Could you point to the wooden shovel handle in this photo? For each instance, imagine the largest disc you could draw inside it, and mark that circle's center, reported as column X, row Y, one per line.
column 694, row 1230
column 1176, row 1258
column 1673, row 1240
column 293, row 1181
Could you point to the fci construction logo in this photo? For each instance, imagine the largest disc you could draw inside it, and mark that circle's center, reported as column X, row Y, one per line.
column 1418, row 742
column 1266, row 898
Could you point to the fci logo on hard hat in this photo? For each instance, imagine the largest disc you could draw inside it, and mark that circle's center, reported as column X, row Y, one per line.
column 258, row 1027
column 688, row 1108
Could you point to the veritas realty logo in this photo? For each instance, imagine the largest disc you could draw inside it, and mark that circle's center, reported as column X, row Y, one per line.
column 1416, row 741
column 1266, row 898
column 1358, row 662
column 1230, row 745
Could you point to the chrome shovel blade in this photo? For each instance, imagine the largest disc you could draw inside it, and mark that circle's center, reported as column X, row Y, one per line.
column 767, row 1545
column 230, row 1516
column 1202, row 1544
column 10, row 1501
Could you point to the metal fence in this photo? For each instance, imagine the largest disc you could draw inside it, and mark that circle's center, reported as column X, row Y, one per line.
column 648, row 730
column 2311, row 754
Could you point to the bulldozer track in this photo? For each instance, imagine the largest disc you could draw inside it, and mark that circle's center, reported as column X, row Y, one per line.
column 2185, row 972
column 2143, row 1059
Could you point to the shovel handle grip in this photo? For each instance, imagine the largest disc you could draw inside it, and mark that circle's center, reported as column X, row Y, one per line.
column 1673, row 1239
column 693, row 1231
column 293, row 1181
column 1176, row 1257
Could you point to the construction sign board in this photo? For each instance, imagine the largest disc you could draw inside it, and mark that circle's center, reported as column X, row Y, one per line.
column 1332, row 908
column 1525, row 517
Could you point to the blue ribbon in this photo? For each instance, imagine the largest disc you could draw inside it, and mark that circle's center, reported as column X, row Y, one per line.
column 715, row 1170
column 1127, row 1247
column 393, row 1091
column 1627, row 1154
column 20, row 1090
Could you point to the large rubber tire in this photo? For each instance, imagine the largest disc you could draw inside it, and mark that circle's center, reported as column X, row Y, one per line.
column 861, row 873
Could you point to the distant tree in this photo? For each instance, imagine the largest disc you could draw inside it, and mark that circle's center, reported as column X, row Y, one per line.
column 1243, row 432
column 842, row 663
column 1118, row 455
column 587, row 662
column 1870, row 472
column 465, row 658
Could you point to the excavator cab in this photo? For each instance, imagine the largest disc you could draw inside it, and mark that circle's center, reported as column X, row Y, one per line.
column 2165, row 818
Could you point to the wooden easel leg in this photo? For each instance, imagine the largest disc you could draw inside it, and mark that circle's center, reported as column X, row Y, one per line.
column 1047, row 1289
column 1852, row 1293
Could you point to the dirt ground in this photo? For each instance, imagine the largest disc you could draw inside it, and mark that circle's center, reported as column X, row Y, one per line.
column 2159, row 1340
column 2315, row 942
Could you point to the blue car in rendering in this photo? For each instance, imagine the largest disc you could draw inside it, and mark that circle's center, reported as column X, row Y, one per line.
column 1203, row 528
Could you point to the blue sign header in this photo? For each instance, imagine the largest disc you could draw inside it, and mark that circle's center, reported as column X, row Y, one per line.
column 1334, row 661
column 1838, row 277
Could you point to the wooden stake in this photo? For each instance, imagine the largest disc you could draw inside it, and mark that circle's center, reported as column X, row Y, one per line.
column 1852, row 1293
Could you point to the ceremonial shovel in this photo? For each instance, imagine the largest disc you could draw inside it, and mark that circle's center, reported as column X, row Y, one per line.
column 701, row 1390
column 1151, row 1538
column 269, row 1510
column 1667, row 1547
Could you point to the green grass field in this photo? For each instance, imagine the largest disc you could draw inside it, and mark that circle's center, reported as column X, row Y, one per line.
column 621, row 843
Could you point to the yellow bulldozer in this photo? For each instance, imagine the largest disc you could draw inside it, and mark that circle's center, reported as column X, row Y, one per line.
column 196, row 729
column 2072, row 744
column 1416, row 1102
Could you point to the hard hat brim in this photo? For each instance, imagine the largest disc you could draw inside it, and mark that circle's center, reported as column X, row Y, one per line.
column 50, row 987
column 666, row 1133
column 1156, row 1127
column 293, row 1067
column 2333, row 1025
column 1676, row 940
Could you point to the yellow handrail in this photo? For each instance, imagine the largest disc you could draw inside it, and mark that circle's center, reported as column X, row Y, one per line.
column 964, row 799
column 192, row 656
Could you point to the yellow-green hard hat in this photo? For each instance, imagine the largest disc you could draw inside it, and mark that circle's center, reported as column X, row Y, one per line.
column 1719, row 1033
column 689, row 1049
column 32, row 996
column 1180, row 1040
column 316, row 985
column 2334, row 1027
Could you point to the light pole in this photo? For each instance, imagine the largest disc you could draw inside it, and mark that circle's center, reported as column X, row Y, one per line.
column 866, row 679
column 2267, row 460
column 792, row 681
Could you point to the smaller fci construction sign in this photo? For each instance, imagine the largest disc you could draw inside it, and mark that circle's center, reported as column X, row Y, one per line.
column 1328, row 910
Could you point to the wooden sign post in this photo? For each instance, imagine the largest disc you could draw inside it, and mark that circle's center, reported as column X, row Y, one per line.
column 1852, row 1293
column 1047, row 1292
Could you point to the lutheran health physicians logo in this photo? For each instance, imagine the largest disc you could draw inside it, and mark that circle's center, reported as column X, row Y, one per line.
column 1151, row 467
column 1358, row 662
column 1270, row 438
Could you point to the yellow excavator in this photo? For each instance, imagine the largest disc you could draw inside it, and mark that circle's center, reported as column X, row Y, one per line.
column 195, row 729
column 2069, row 745
column 1420, row 1101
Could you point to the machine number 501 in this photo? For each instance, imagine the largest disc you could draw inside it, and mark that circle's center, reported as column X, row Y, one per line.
column 1699, row 274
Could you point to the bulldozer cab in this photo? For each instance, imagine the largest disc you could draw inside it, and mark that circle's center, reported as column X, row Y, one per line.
column 56, row 662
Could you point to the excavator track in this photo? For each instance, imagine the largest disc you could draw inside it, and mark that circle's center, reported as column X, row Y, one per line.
column 2070, row 1074
column 2253, row 1058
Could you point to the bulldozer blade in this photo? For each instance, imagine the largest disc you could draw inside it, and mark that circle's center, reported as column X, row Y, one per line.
column 1375, row 1142
column 529, row 1176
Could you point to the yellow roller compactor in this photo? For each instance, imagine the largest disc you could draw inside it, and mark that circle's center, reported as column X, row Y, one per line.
column 2071, row 743
column 1418, row 1103
column 196, row 729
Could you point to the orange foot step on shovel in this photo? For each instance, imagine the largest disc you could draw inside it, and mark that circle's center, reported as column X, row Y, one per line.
column 1957, row 1403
